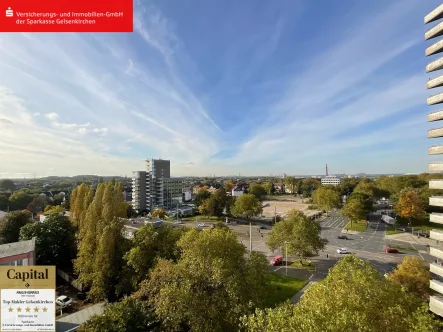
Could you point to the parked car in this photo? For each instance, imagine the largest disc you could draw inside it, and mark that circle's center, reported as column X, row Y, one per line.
column 263, row 227
column 201, row 225
column 402, row 229
column 178, row 222
column 342, row 237
column 277, row 260
column 342, row 251
column 63, row 301
column 391, row 250
column 424, row 235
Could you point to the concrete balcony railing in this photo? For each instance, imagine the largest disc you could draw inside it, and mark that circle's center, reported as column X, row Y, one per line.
column 436, row 305
column 436, row 252
column 436, row 132
column 436, row 184
column 435, row 15
column 436, row 269
column 435, row 167
column 435, row 116
column 436, row 218
column 436, row 234
column 435, row 99
column 434, row 65
column 435, row 149
column 434, row 48
column 435, row 31
column 436, row 285
column 435, row 82
column 436, row 201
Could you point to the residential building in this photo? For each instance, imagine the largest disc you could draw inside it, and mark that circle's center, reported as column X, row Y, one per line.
column 187, row 193
column 18, row 253
column 436, row 300
column 279, row 188
column 330, row 180
column 154, row 188
column 238, row 191
column 43, row 216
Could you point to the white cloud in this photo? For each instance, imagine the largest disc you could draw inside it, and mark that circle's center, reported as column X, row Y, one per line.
column 51, row 116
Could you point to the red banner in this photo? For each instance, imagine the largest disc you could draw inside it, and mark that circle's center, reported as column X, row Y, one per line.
column 66, row 15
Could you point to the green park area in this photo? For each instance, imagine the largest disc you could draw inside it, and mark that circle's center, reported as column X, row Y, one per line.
column 305, row 265
column 356, row 226
column 282, row 288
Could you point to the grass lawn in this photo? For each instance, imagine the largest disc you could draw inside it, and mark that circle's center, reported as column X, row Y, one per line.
column 305, row 265
column 404, row 248
column 358, row 226
column 391, row 231
column 282, row 288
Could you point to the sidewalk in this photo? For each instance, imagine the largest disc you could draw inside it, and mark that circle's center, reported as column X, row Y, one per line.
column 413, row 239
column 71, row 322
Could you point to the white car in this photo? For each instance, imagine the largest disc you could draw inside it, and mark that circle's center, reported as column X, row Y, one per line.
column 63, row 301
column 201, row 225
column 342, row 251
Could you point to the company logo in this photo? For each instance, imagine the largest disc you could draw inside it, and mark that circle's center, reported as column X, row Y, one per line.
column 9, row 12
column 32, row 274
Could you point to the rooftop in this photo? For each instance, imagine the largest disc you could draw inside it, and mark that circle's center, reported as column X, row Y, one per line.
column 17, row 248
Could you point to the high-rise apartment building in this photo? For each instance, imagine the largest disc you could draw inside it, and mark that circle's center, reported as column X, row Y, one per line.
column 154, row 188
column 436, row 301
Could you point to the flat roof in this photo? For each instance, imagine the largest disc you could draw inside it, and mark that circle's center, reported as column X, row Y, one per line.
column 17, row 248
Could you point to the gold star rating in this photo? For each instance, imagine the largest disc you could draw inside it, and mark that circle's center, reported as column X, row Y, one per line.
column 35, row 309
column 28, row 309
column 10, row 309
column 19, row 309
column 45, row 309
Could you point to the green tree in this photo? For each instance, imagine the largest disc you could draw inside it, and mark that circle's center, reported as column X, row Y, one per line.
column 201, row 196
column 7, row 184
column 215, row 204
column 5, row 205
column 54, row 209
column 257, row 190
column 11, row 224
column 412, row 275
column 77, row 205
column 229, row 185
column 354, row 210
column 368, row 203
column 247, row 205
column 267, row 186
column 308, row 186
column 126, row 315
column 38, row 204
column 353, row 297
column 55, row 240
column 211, row 285
column 20, row 200
column 151, row 244
column 58, row 199
column 299, row 234
column 291, row 183
column 326, row 198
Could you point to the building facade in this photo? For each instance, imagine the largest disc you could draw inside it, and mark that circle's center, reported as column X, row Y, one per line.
column 154, row 188
column 436, row 268
column 330, row 180
column 18, row 253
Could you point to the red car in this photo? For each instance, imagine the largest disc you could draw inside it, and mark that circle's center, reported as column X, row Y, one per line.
column 391, row 250
column 277, row 260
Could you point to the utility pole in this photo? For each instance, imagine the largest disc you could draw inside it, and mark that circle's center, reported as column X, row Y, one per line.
column 250, row 238
column 275, row 215
column 177, row 210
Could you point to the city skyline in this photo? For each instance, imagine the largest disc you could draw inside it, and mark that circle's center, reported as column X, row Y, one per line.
column 222, row 89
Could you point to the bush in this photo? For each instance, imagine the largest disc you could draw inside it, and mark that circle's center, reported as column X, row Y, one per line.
column 313, row 207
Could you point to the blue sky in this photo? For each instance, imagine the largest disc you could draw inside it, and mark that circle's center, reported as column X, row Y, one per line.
column 222, row 87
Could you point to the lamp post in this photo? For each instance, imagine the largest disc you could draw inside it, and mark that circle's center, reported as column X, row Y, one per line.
column 286, row 247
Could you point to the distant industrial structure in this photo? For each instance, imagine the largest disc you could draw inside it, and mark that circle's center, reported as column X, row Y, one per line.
column 435, row 301
column 154, row 188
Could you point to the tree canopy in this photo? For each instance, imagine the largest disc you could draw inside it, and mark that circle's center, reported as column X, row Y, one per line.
column 257, row 190
column 159, row 213
column 210, row 286
column 11, row 224
column 301, row 235
column 247, row 205
column 326, row 198
column 353, row 297
column 55, row 240
column 409, row 206
column 7, row 184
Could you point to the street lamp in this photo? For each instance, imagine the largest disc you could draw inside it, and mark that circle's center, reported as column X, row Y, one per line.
column 286, row 247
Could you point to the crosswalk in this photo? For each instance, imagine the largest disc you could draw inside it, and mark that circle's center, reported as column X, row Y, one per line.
column 334, row 222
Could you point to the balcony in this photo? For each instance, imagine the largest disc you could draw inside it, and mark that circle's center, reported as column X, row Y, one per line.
column 436, row 305
column 435, row 99
column 436, row 269
column 435, row 48
column 435, row 15
column 436, row 252
column 435, row 167
column 435, row 31
column 436, row 234
column 434, row 65
column 436, row 184
column 435, row 149
column 436, row 218
column 436, row 201
column 435, row 82
column 435, row 116
column 436, row 132
column 437, row 286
